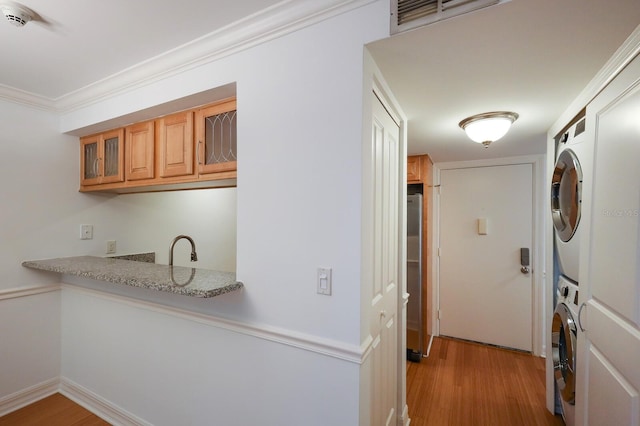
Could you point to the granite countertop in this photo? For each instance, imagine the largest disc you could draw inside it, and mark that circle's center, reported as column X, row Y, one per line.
column 193, row 282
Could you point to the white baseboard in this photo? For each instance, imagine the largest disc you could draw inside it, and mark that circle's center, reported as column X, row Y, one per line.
column 28, row 396
column 98, row 405
column 80, row 395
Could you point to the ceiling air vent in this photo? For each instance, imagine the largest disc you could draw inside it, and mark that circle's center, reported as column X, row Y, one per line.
column 410, row 14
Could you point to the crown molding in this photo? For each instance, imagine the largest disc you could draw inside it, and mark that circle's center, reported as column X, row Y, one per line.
column 281, row 19
column 18, row 96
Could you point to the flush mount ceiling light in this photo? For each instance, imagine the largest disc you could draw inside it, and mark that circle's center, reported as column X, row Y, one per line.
column 489, row 126
column 16, row 14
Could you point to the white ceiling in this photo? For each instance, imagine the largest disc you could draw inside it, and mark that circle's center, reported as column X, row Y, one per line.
column 73, row 43
column 529, row 56
column 532, row 57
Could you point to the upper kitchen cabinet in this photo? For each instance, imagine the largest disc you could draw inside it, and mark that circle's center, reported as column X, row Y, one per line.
column 216, row 137
column 140, row 151
column 196, row 148
column 102, row 158
column 175, row 145
column 414, row 169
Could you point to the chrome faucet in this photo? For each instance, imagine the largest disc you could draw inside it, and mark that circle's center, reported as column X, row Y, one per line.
column 194, row 255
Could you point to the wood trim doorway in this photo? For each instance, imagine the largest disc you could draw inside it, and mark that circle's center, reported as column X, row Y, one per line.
column 420, row 171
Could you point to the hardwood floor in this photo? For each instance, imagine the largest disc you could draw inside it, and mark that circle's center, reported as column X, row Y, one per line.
column 54, row 410
column 460, row 383
column 463, row 383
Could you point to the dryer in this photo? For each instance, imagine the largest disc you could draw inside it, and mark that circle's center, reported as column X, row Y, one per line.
column 566, row 196
column 564, row 336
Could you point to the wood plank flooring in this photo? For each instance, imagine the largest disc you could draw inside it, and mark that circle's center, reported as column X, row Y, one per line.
column 460, row 383
column 463, row 383
column 54, row 410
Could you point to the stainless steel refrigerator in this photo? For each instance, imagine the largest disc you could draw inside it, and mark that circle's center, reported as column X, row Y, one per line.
column 414, row 277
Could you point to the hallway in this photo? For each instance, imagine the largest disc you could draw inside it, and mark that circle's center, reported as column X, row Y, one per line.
column 468, row 384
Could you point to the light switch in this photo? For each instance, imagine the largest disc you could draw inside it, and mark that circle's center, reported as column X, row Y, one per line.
column 324, row 281
column 482, row 226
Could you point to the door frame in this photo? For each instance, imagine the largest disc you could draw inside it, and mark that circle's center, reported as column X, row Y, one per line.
column 375, row 86
column 538, row 258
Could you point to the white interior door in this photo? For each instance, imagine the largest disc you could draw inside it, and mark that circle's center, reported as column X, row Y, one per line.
column 386, row 237
column 483, row 294
column 608, row 358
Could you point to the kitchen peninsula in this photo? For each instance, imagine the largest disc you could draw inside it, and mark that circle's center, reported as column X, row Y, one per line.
column 194, row 282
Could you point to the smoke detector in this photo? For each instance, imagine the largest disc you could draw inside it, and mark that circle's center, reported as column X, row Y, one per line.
column 16, row 14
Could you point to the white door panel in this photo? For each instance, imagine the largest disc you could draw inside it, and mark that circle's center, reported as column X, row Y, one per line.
column 612, row 400
column 610, row 334
column 484, row 296
column 386, row 238
column 609, row 349
column 614, row 249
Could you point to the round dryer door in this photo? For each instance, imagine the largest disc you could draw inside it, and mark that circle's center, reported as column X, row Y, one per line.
column 566, row 185
column 563, row 345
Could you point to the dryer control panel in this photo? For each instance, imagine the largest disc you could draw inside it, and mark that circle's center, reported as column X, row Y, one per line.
column 573, row 135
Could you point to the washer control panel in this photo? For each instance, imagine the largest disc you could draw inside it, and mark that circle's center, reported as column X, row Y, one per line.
column 567, row 293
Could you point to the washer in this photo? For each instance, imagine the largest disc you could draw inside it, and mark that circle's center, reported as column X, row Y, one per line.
column 564, row 335
column 566, row 196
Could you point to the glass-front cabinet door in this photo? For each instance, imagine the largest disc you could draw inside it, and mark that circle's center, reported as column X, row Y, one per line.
column 216, row 138
column 89, row 160
column 101, row 158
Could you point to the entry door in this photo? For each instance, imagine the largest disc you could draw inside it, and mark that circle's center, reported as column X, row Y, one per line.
column 386, row 237
column 609, row 357
column 484, row 295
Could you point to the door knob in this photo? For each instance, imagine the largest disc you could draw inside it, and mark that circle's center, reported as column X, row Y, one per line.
column 524, row 269
column 383, row 314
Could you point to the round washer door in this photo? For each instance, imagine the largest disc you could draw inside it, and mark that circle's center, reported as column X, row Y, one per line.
column 563, row 345
column 566, row 185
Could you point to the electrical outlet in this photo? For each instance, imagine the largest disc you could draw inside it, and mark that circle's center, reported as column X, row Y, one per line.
column 86, row 232
column 111, row 246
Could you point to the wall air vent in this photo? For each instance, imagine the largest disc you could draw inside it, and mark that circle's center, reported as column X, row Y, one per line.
column 409, row 14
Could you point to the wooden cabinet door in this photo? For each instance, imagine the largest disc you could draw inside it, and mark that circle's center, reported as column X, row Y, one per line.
column 112, row 160
column 139, row 161
column 216, row 138
column 89, row 158
column 413, row 169
column 101, row 158
column 175, row 145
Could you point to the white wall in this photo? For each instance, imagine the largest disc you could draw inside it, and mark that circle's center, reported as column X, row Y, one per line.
column 298, row 208
column 35, row 167
column 39, row 192
column 40, row 218
column 29, row 347
column 42, row 209
column 299, row 170
column 164, row 369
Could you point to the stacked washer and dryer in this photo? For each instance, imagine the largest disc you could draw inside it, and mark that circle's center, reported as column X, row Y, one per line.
column 572, row 152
